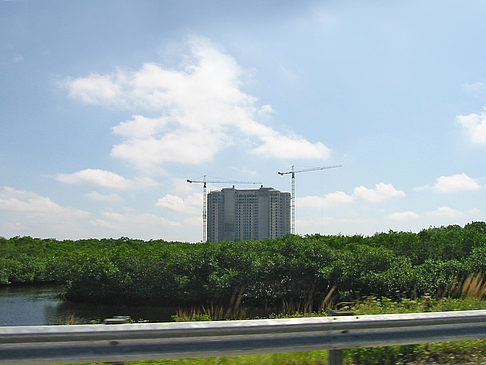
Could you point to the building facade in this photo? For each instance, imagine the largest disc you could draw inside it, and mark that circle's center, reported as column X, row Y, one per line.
column 257, row 214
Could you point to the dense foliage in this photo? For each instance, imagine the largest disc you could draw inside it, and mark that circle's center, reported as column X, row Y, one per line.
column 290, row 269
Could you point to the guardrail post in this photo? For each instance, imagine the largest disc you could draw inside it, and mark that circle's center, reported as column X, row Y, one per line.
column 336, row 356
column 116, row 320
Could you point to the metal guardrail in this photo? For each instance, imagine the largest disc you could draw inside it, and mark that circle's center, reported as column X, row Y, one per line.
column 124, row 342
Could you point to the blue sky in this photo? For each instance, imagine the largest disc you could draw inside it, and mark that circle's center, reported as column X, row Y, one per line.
column 106, row 108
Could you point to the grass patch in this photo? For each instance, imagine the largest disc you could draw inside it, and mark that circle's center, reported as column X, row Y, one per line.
column 291, row 358
column 458, row 352
column 465, row 294
column 374, row 305
column 461, row 352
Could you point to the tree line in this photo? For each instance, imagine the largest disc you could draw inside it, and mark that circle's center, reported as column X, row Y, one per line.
column 291, row 268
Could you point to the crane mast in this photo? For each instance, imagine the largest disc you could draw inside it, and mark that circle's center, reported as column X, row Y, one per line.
column 292, row 172
column 204, row 183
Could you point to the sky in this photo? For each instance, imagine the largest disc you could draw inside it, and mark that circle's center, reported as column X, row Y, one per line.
column 107, row 108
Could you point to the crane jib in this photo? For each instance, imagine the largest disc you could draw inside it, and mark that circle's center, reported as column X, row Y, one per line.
column 292, row 199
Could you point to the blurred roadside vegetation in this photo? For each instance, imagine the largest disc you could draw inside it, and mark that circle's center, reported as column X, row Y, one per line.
column 437, row 269
column 444, row 353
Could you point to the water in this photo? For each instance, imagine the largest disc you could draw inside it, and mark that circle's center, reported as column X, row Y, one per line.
column 41, row 305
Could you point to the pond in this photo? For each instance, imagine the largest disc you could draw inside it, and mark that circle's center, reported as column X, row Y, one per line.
column 41, row 305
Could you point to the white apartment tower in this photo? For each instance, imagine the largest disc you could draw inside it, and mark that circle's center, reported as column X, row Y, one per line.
column 235, row 215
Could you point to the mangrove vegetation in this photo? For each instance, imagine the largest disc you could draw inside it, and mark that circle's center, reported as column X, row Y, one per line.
column 304, row 271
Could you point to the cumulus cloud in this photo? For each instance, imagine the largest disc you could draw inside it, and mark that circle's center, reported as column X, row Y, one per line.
column 104, row 179
column 189, row 205
column 403, row 216
column 453, row 213
column 117, row 220
column 183, row 146
column 200, row 109
column 325, row 201
column 453, row 183
column 27, row 213
column 326, row 221
column 26, row 201
column 134, row 224
column 111, row 198
column 474, row 211
column 446, row 212
column 277, row 145
column 475, row 125
column 95, row 89
column 182, row 187
column 380, row 193
column 141, row 127
column 474, row 87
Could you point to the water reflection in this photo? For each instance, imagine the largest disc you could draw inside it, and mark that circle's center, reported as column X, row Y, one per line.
column 28, row 306
column 89, row 312
column 21, row 306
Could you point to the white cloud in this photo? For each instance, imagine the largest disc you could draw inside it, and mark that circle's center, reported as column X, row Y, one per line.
column 194, row 221
column 291, row 147
column 142, row 226
column 403, row 216
column 26, row 201
column 27, row 213
column 183, row 146
column 95, row 89
column 245, row 171
column 446, row 212
column 453, row 213
column 474, row 87
column 105, row 179
column 325, row 201
column 146, row 226
column 111, row 198
column 474, row 211
column 117, row 219
column 475, row 125
column 201, row 108
column 141, row 127
column 326, row 221
column 189, row 205
column 182, row 187
column 380, row 193
column 172, row 202
column 453, row 183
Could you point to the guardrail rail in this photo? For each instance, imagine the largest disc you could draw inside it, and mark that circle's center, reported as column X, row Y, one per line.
column 146, row 341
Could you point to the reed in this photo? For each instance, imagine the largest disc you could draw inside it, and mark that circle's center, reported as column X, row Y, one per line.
column 71, row 320
column 472, row 286
column 328, row 301
column 235, row 310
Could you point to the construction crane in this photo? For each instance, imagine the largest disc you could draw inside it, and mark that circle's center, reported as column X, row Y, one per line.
column 292, row 199
column 204, row 192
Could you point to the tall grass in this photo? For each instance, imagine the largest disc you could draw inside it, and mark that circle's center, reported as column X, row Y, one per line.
column 235, row 310
column 472, row 286
column 445, row 353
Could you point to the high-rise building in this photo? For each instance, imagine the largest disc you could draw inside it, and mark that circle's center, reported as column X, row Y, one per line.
column 247, row 214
